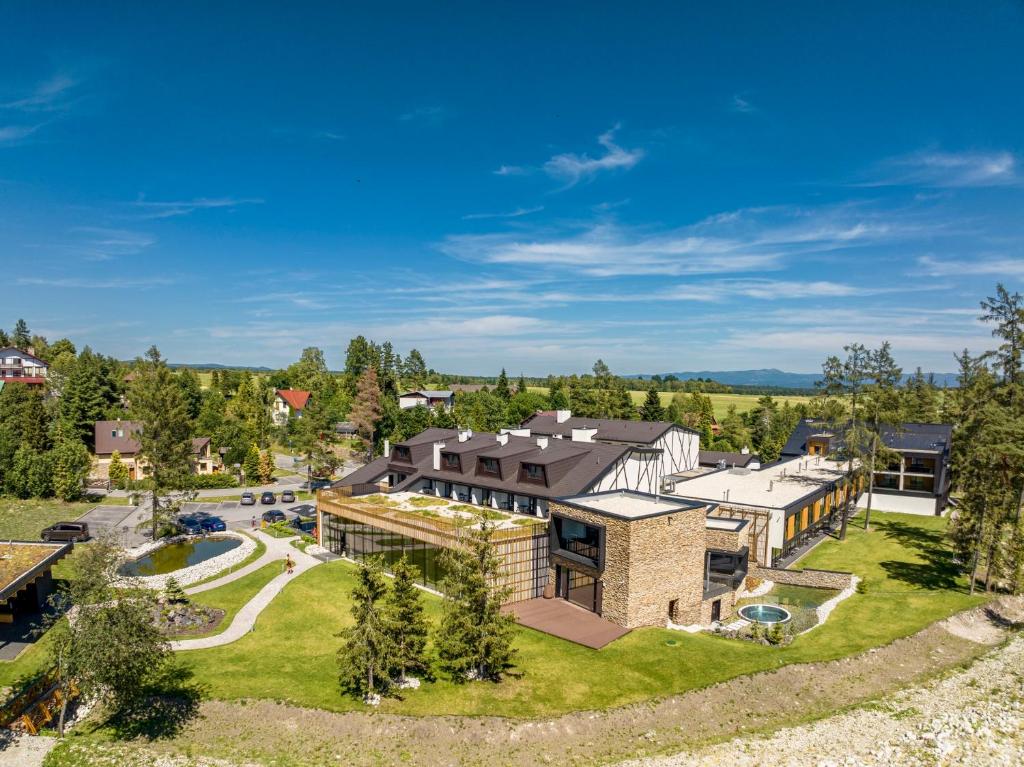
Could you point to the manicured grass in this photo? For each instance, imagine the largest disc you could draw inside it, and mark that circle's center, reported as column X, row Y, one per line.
column 904, row 561
column 721, row 402
column 24, row 520
column 231, row 597
column 259, row 551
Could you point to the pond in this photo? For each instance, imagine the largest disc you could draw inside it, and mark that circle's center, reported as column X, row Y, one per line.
column 175, row 556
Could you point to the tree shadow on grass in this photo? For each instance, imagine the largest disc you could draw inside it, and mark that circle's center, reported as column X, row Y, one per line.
column 163, row 709
column 938, row 571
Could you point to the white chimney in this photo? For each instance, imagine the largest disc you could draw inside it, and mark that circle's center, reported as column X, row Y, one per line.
column 517, row 432
column 542, row 442
column 502, row 439
column 465, row 434
column 387, row 447
column 561, row 416
column 583, row 435
column 745, row 450
column 438, row 447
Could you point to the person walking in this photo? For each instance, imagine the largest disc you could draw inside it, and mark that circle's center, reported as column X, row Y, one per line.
column 289, row 564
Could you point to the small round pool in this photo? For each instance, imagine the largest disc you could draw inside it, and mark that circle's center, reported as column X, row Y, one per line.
column 765, row 614
column 175, row 556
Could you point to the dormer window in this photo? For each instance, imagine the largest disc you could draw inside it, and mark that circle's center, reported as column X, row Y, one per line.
column 401, row 453
column 533, row 472
column 489, row 466
column 450, row 460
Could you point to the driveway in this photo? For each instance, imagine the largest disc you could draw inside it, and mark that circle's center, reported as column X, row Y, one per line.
column 104, row 520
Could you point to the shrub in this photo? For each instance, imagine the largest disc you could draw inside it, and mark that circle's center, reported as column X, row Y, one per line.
column 212, row 481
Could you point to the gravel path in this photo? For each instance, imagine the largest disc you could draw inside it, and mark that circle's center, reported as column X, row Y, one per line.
column 974, row 717
column 245, row 618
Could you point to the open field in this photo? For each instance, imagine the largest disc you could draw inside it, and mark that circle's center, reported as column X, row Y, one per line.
column 721, row 402
column 906, row 565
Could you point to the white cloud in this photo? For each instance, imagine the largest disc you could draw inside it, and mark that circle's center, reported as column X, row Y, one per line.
column 50, row 95
column 1006, row 266
column 13, row 134
column 87, row 283
column 517, row 213
column 740, row 104
column 947, row 169
column 171, row 208
column 571, row 168
column 433, row 115
column 512, row 170
column 103, row 244
column 742, row 241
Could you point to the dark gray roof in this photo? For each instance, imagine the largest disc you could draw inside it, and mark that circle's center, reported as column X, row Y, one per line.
column 570, row 467
column 714, row 457
column 608, row 429
column 117, row 435
column 929, row 437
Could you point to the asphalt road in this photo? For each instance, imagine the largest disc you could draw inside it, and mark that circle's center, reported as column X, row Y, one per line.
column 241, row 517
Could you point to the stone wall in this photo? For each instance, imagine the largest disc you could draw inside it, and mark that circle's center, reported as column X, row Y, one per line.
column 728, row 608
column 648, row 564
column 728, row 540
column 819, row 579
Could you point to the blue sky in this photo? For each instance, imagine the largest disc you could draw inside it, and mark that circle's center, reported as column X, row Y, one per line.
column 668, row 187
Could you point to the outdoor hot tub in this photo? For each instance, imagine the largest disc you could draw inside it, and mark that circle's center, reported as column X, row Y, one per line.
column 765, row 614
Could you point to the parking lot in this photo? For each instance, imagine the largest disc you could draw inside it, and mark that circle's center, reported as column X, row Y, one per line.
column 107, row 519
column 239, row 517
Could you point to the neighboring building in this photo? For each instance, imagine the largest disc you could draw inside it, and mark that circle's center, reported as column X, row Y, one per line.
column 643, row 560
column 26, row 582
column 720, row 459
column 288, row 403
column 659, row 449
column 345, row 429
column 122, row 437
column 428, row 398
column 22, row 367
column 788, row 502
column 917, row 483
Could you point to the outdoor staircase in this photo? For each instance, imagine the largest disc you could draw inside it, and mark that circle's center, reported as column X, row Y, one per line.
column 736, row 625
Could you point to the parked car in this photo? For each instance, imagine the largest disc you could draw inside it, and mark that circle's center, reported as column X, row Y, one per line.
column 212, row 525
column 248, row 499
column 272, row 516
column 287, row 497
column 268, row 498
column 66, row 531
column 190, row 524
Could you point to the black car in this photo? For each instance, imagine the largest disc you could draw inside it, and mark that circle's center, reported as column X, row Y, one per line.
column 287, row 497
column 212, row 525
column 190, row 524
column 272, row 516
column 66, row 531
column 268, row 498
column 248, row 499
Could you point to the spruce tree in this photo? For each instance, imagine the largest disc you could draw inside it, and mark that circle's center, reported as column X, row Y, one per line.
column 521, row 386
column 251, row 465
column 266, row 467
column 652, row 410
column 501, row 387
column 407, row 623
column 475, row 639
column 21, row 338
column 367, row 654
column 117, row 472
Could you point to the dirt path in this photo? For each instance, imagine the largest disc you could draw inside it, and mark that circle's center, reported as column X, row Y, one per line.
column 267, row 732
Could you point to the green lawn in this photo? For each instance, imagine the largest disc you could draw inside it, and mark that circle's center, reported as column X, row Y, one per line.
column 231, row 597
column 24, row 520
column 291, row 654
column 721, row 402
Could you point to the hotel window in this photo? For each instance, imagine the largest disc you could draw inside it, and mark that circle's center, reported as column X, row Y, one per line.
column 489, row 466
column 533, row 472
column 451, row 461
column 578, row 540
column 402, row 453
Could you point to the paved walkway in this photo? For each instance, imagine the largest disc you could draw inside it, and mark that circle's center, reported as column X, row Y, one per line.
column 245, row 619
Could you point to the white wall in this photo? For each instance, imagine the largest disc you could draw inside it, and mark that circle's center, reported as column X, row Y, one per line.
column 645, row 472
column 904, row 504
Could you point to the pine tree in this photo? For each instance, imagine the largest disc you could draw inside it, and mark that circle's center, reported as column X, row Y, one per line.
column 174, row 593
column 475, row 640
column 407, row 623
column 366, row 409
column 652, row 410
column 367, row 654
column 251, row 464
column 881, row 410
column 521, row 386
column 117, row 471
column 501, row 387
column 21, row 338
column 415, row 370
column 164, row 437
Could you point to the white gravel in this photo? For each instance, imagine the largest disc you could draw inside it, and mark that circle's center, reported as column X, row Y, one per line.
column 973, row 718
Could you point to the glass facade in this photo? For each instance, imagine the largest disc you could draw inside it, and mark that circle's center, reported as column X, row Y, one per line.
column 359, row 541
column 579, row 539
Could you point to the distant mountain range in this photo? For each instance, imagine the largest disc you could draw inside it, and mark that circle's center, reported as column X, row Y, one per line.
column 771, row 377
column 218, row 366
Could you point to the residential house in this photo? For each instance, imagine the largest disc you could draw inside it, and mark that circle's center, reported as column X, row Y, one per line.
column 916, row 482
column 122, row 437
column 22, row 367
column 428, row 398
column 288, row 404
